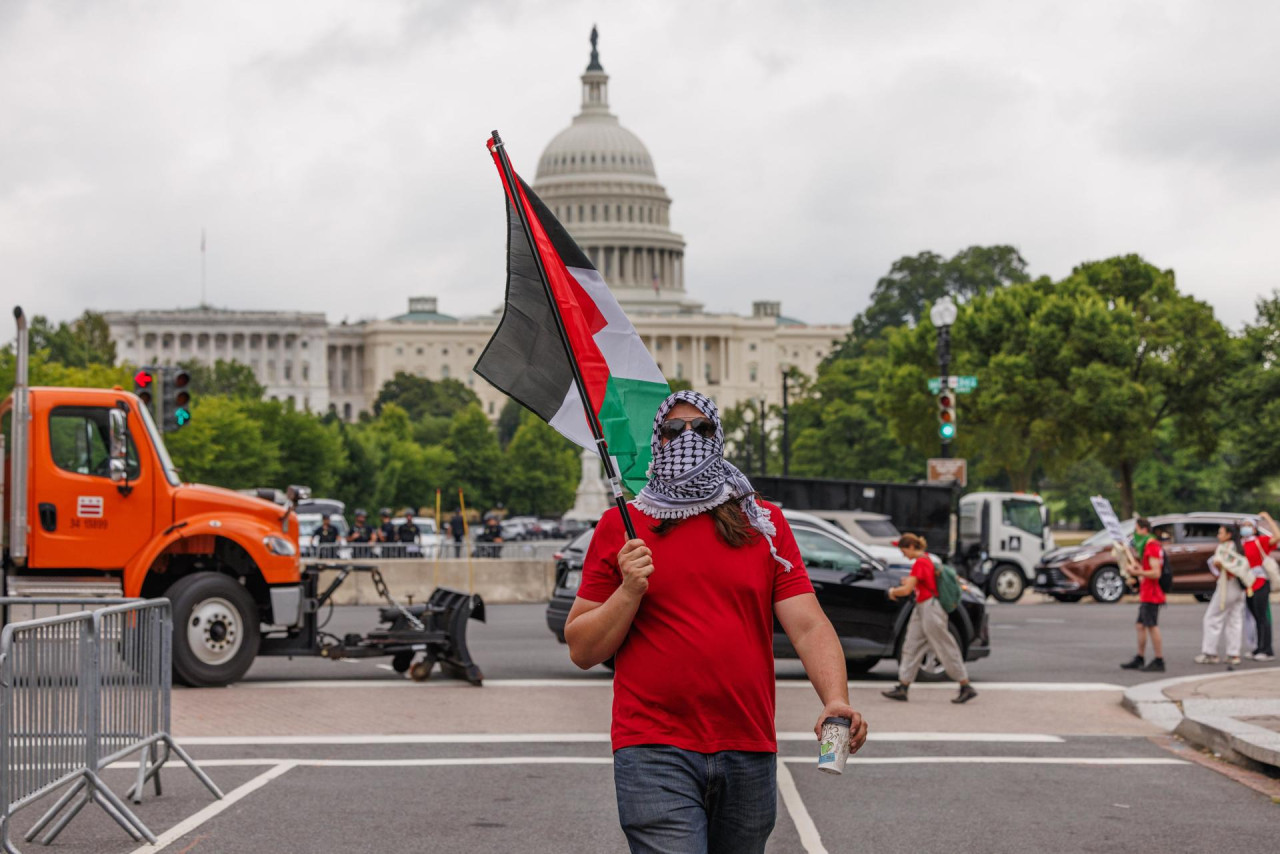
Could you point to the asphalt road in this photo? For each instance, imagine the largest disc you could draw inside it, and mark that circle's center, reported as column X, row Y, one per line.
column 1100, row 794
column 1030, row 642
column 321, row 756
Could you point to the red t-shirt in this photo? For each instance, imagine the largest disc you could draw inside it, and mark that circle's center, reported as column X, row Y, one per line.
column 1149, row 590
column 696, row 668
column 922, row 570
column 1255, row 550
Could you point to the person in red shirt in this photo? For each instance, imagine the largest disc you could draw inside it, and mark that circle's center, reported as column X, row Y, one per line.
column 927, row 625
column 686, row 610
column 1257, row 546
column 1150, row 598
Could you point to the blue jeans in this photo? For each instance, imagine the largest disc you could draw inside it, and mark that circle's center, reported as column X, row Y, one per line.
column 674, row 801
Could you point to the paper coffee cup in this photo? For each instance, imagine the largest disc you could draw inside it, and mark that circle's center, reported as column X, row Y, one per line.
column 833, row 746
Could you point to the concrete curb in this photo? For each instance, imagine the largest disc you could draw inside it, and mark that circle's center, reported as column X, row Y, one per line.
column 1212, row 724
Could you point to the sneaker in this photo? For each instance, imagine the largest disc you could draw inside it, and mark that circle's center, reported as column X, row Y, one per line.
column 966, row 694
column 1134, row 663
column 1155, row 666
column 1209, row 659
column 1262, row 656
column 898, row 693
column 1235, row 659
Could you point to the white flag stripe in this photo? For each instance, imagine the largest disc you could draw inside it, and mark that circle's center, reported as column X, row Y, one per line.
column 619, row 342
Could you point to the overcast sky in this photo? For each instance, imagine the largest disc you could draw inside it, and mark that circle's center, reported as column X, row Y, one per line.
column 335, row 150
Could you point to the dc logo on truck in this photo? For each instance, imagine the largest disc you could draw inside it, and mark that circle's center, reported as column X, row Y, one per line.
column 89, row 506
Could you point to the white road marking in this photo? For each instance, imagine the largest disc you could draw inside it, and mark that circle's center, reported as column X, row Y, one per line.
column 363, row 684
column 356, row 739
column 189, row 824
column 998, row 760
column 808, row 831
column 1118, row 761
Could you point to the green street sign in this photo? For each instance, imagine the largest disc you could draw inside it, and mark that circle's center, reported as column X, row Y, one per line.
column 959, row 384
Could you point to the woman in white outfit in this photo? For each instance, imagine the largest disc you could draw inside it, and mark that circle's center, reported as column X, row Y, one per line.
column 1226, row 608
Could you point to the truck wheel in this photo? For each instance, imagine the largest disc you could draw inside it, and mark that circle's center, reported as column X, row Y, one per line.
column 215, row 629
column 1007, row 583
column 1107, row 584
column 1203, row 597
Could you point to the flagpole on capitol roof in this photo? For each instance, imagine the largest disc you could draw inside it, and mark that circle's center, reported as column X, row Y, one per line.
column 597, row 434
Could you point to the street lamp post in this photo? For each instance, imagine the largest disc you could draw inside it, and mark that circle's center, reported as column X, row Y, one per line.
column 764, row 437
column 786, row 436
column 943, row 314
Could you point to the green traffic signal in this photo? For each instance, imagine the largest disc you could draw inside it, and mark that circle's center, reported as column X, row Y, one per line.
column 947, row 432
column 181, row 416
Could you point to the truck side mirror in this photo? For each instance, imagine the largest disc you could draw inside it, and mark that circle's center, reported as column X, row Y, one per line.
column 118, row 465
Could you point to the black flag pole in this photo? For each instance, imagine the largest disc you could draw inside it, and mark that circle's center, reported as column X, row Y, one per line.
column 513, row 187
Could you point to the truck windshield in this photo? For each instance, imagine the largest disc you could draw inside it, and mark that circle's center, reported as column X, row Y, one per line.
column 1024, row 515
column 170, row 473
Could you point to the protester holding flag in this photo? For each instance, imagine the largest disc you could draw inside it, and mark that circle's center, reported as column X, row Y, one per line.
column 686, row 610
column 685, row 601
column 1225, row 615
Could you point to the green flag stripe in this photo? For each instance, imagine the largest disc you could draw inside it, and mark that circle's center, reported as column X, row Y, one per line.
column 626, row 417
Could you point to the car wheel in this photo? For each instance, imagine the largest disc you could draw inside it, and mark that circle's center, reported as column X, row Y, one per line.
column 1107, row 584
column 1203, row 597
column 931, row 669
column 1067, row 597
column 1007, row 583
column 861, row 666
column 215, row 629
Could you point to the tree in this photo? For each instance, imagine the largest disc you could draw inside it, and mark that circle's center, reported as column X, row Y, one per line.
column 225, row 378
column 224, row 446
column 477, row 458
column 310, row 452
column 407, row 474
column 838, row 430
column 1159, row 360
column 509, row 421
column 420, row 397
column 541, row 471
column 916, row 282
column 1253, row 397
column 85, row 341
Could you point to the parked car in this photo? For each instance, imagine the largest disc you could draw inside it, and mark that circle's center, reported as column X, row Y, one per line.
column 851, row 586
column 1069, row 574
column 428, row 538
column 863, row 525
column 520, row 528
column 309, row 523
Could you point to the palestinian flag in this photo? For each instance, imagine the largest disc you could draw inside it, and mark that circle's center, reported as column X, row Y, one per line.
column 527, row 359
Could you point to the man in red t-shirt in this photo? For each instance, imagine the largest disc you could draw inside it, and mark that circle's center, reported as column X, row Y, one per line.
column 1257, row 545
column 1150, row 598
column 686, row 610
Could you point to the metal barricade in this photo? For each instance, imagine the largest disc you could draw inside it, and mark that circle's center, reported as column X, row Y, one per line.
column 81, row 691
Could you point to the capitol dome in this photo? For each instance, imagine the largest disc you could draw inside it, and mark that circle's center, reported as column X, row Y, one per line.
column 599, row 180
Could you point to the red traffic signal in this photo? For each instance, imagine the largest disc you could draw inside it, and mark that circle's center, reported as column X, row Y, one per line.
column 142, row 379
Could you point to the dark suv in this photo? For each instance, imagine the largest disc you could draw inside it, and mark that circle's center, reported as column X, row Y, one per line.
column 851, row 586
column 1189, row 539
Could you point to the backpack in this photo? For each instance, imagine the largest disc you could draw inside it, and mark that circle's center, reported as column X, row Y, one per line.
column 948, row 585
column 1166, row 572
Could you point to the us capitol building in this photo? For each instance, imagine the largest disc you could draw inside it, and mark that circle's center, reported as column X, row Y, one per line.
column 599, row 180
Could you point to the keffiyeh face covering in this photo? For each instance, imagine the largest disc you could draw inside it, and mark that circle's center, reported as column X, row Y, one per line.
column 689, row 475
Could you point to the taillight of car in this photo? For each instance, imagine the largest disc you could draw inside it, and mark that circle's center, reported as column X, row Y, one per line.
column 557, row 556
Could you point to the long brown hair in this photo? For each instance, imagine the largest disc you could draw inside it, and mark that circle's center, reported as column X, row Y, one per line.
column 731, row 525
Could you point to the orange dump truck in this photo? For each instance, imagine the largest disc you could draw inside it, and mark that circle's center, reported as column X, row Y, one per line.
column 93, row 505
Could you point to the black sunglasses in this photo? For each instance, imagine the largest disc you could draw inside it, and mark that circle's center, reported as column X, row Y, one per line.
column 673, row 427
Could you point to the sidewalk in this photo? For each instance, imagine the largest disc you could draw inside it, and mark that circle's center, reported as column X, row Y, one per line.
column 1234, row 714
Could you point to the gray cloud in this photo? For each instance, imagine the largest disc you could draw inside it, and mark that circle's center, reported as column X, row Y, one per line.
column 334, row 151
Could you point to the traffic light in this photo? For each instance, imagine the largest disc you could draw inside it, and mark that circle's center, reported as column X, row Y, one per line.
column 946, row 415
column 177, row 398
column 144, row 385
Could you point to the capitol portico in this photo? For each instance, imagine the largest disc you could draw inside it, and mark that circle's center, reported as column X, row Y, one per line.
column 599, row 179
